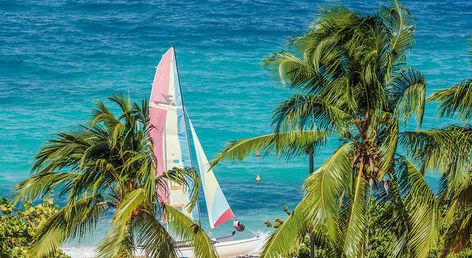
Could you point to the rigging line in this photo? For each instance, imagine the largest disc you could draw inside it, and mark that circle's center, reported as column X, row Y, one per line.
column 252, row 231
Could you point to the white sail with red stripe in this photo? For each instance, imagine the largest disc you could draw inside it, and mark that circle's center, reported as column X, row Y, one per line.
column 217, row 206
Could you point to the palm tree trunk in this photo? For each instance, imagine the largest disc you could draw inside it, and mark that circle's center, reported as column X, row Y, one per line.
column 311, row 153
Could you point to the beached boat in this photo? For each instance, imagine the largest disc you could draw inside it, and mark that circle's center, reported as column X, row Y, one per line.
column 171, row 144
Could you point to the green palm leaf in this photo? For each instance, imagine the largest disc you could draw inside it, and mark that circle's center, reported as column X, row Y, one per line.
column 400, row 24
column 186, row 229
column 300, row 112
column 118, row 242
column 292, row 69
column 282, row 144
column 455, row 100
column 129, row 205
column 324, row 189
column 424, row 209
column 282, row 241
column 355, row 235
column 153, row 239
column 447, row 150
column 388, row 147
column 75, row 220
column 457, row 235
column 39, row 185
column 407, row 93
column 183, row 177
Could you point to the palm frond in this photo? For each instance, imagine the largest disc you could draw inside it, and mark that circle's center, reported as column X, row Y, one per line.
column 118, row 242
column 388, row 147
column 282, row 241
column 291, row 68
column 447, row 150
column 123, row 103
column 152, row 238
column 324, row 189
column 328, row 58
column 300, row 112
column 356, row 225
column 423, row 207
column 335, row 22
column 395, row 218
column 63, row 152
column 407, row 95
column 131, row 202
column 456, row 100
column 285, row 144
column 457, row 235
column 75, row 220
column 189, row 179
column 186, row 229
column 103, row 114
column 40, row 184
column 400, row 23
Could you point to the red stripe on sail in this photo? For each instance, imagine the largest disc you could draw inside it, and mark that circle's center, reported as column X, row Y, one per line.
column 227, row 215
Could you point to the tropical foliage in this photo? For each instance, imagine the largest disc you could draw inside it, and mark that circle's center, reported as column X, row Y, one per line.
column 456, row 100
column 18, row 226
column 379, row 237
column 449, row 150
column 353, row 89
column 357, row 89
column 107, row 168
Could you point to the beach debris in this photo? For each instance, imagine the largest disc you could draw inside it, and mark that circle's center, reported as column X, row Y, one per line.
column 258, row 178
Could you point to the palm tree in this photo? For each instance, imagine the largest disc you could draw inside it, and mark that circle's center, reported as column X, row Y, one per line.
column 449, row 150
column 107, row 168
column 356, row 88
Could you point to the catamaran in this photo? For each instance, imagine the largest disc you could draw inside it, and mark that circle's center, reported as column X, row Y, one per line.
column 171, row 145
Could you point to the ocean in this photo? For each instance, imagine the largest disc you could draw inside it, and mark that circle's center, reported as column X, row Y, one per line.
column 57, row 58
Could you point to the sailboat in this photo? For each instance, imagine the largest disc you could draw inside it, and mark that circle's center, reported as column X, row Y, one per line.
column 171, row 145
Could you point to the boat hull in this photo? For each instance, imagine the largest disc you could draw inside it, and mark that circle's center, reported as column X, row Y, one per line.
column 228, row 248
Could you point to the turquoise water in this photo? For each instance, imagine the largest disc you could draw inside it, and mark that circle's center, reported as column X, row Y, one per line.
column 58, row 57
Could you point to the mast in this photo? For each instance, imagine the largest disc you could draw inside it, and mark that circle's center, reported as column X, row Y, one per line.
column 185, row 122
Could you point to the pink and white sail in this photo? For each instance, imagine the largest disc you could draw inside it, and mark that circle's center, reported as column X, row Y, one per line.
column 171, row 144
column 168, row 130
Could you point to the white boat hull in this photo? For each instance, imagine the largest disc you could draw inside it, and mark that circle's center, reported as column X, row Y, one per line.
column 228, row 248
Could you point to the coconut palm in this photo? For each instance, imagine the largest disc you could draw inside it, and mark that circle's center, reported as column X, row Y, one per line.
column 449, row 150
column 106, row 168
column 355, row 88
